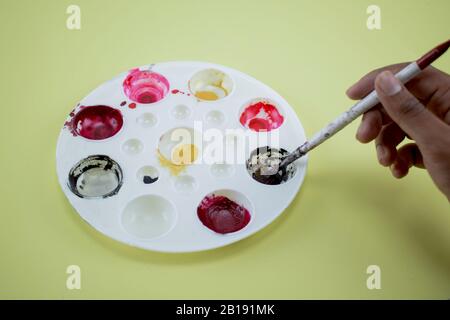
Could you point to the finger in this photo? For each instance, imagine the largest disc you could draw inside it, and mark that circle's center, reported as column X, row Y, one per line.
column 386, row 143
column 370, row 126
column 423, row 86
column 366, row 84
column 427, row 83
column 407, row 156
column 386, row 119
column 418, row 122
column 439, row 103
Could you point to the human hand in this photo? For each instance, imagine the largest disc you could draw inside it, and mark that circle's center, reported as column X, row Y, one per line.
column 419, row 111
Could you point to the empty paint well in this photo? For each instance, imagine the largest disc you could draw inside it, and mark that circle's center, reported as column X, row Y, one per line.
column 96, row 176
column 148, row 216
column 214, row 118
column 222, row 170
column 132, row 147
column 181, row 112
column 225, row 211
column 95, row 122
column 148, row 175
column 147, row 120
column 264, row 161
column 185, row 184
column 145, row 86
column 210, row 85
column 261, row 115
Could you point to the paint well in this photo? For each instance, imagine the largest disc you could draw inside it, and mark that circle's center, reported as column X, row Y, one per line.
column 210, row 85
column 148, row 216
column 261, row 115
column 176, row 149
column 97, row 122
column 224, row 211
column 145, row 86
column 147, row 120
column 214, row 118
column 222, row 170
column 96, row 176
column 148, row 175
column 263, row 164
column 181, row 112
column 185, row 184
column 132, row 147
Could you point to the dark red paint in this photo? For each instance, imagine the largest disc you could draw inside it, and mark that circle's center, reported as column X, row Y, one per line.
column 222, row 215
column 176, row 91
column 261, row 116
column 96, row 122
column 429, row 57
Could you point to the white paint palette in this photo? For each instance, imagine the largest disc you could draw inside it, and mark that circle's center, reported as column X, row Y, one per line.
column 125, row 166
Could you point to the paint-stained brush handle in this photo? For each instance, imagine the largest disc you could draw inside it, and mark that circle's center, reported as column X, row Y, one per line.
column 364, row 105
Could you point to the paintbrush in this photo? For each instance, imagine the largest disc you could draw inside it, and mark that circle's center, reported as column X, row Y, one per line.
column 364, row 105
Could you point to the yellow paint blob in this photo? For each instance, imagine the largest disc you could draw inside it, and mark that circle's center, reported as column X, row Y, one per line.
column 182, row 156
column 206, row 95
column 212, row 91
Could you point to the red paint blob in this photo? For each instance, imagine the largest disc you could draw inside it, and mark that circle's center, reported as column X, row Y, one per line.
column 222, row 215
column 96, row 122
column 261, row 116
column 176, row 91
column 145, row 86
column 132, row 105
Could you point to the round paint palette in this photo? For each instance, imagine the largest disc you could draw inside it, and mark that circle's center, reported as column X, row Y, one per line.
column 162, row 156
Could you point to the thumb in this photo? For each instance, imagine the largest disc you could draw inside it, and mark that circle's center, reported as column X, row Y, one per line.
column 417, row 121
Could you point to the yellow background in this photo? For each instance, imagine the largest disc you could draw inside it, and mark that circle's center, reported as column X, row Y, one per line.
column 349, row 214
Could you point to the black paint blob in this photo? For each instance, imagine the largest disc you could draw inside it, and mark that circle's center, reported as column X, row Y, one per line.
column 263, row 166
column 149, row 180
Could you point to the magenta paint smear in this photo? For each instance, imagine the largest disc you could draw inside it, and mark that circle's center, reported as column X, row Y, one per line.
column 261, row 116
column 145, row 86
column 222, row 215
column 95, row 122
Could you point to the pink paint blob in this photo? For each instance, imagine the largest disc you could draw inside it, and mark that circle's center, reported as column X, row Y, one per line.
column 261, row 116
column 222, row 215
column 145, row 86
column 95, row 122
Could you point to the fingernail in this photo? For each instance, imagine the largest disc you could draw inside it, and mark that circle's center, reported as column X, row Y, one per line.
column 389, row 84
column 381, row 152
column 395, row 171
